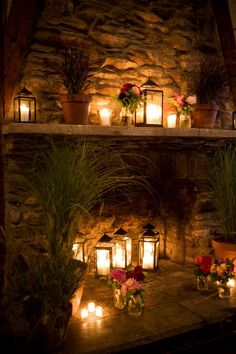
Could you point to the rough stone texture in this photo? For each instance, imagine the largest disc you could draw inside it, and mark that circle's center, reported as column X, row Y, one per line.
column 133, row 40
column 182, row 214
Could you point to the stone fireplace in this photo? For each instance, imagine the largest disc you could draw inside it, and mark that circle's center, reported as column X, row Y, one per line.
column 181, row 211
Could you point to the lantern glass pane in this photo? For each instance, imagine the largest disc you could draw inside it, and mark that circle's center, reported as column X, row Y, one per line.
column 129, row 250
column 24, row 110
column 154, row 107
column 148, row 255
column 119, row 254
column 103, row 261
column 80, row 250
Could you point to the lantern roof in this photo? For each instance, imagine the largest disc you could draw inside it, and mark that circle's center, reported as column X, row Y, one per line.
column 149, row 227
column 120, row 231
column 24, row 92
column 149, row 233
column 105, row 238
column 149, row 84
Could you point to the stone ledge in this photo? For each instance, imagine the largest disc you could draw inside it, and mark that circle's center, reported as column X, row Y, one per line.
column 114, row 131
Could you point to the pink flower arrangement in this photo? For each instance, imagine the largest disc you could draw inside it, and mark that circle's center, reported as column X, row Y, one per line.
column 202, row 265
column 118, row 277
column 183, row 103
column 130, row 96
column 131, row 287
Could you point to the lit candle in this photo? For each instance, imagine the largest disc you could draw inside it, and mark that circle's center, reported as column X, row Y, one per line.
column 91, row 307
column 84, row 313
column 103, row 262
column 171, row 121
column 153, row 114
column 98, row 311
column 105, row 115
column 231, row 283
column 24, row 113
column 147, row 256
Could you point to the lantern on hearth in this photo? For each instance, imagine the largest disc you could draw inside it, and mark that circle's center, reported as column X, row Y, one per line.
column 80, row 249
column 122, row 249
column 103, row 255
column 149, row 249
column 151, row 111
column 24, row 107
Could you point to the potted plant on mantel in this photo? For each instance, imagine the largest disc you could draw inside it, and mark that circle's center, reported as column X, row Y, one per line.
column 77, row 68
column 68, row 179
column 222, row 185
column 211, row 85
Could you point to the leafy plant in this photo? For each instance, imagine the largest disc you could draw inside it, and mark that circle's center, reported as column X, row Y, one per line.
column 210, row 83
column 222, row 183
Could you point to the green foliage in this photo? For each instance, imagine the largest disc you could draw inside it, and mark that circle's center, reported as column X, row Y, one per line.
column 222, row 183
column 70, row 178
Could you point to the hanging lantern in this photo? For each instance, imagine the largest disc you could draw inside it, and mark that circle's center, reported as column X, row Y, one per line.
column 122, row 249
column 103, row 255
column 151, row 112
column 149, row 249
column 80, row 249
column 24, row 107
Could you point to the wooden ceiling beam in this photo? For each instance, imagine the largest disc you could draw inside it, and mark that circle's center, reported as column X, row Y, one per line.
column 17, row 36
column 227, row 40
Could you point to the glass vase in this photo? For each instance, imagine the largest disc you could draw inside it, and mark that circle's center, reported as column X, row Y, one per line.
column 202, row 283
column 119, row 300
column 135, row 305
column 185, row 120
column 127, row 118
column 223, row 290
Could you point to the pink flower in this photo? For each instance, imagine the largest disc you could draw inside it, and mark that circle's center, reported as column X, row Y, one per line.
column 131, row 286
column 191, row 99
column 136, row 90
column 118, row 275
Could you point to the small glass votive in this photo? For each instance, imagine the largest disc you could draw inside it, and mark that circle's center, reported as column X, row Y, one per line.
column 105, row 115
column 171, row 121
column 98, row 311
column 84, row 313
column 91, row 307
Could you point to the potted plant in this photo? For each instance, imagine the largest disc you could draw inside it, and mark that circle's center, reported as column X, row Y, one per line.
column 77, row 68
column 68, row 178
column 222, row 185
column 210, row 85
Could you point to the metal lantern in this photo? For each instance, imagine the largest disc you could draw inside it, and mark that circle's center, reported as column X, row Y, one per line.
column 122, row 249
column 24, row 107
column 80, row 249
column 149, row 249
column 151, row 112
column 103, row 255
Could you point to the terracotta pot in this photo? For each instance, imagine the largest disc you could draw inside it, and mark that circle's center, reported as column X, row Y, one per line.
column 223, row 249
column 77, row 300
column 76, row 108
column 204, row 116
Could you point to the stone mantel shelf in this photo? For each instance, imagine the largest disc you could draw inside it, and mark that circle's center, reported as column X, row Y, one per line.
column 115, row 131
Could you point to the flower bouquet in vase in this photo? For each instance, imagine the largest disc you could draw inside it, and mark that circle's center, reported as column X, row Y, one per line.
column 184, row 106
column 222, row 273
column 130, row 97
column 202, row 271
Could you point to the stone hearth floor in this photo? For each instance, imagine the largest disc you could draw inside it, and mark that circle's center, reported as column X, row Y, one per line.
column 176, row 318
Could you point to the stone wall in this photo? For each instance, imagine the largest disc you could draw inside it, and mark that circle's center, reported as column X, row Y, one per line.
column 182, row 213
column 133, row 39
